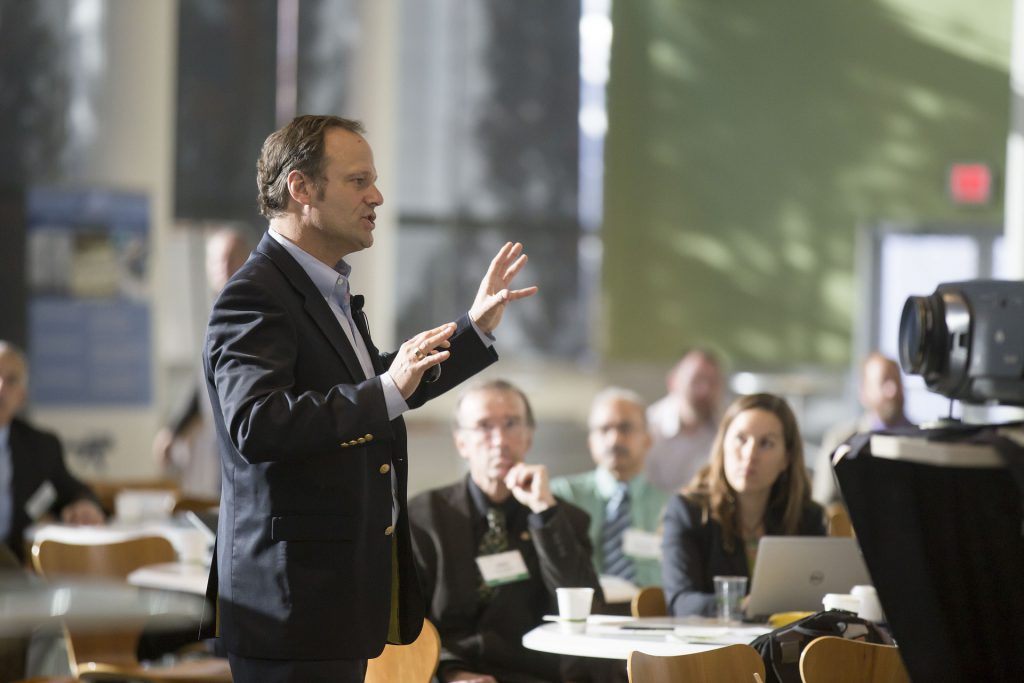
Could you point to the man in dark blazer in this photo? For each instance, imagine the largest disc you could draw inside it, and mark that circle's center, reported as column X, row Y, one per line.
column 314, row 565
column 482, row 618
column 33, row 479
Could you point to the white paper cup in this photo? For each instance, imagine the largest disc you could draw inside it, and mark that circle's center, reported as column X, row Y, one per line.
column 870, row 606
column 574, row 608
column 143, row 505
column 845, row 601
column 729, row 594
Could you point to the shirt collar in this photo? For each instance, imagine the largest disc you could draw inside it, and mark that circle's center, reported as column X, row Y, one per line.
column 323, row 276
column 481, row 502
column 607, row 485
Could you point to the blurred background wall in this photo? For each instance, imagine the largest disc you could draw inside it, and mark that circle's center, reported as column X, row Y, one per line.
column 681, row 172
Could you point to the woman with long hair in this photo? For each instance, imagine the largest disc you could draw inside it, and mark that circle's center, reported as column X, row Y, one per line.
column 755, row 484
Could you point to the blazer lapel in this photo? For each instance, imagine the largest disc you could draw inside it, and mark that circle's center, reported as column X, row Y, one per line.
column 314, row 304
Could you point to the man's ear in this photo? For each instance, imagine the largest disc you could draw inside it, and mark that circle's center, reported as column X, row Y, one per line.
column 299, row 187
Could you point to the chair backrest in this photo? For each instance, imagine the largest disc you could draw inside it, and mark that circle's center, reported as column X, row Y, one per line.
column 412, row 663
column 732, row 663
column 839, row 520
column 838, row 660
column 111, row 560
column 194, row 504
column 649, row 602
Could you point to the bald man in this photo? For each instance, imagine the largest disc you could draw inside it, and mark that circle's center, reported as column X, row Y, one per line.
column 881, row 397
column 33, row 478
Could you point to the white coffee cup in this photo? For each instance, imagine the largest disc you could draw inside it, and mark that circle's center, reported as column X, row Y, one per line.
column 870, row 606
column 574, row 608
column 844, row 601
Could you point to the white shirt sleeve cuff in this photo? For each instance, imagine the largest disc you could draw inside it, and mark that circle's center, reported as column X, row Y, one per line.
column 392, row 397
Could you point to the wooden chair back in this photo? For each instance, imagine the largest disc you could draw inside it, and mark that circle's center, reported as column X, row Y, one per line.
column 112, row 652
column 109, row 560
column 837, row 660
column 412, row 663
column 729, row 664
column 839, row 520
column 194, row 504
column 649, row 602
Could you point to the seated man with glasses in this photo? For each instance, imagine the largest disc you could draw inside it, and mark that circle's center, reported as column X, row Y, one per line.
column 492, row 547
column 625, row 508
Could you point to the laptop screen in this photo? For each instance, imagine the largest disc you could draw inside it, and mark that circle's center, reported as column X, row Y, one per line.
column 793, row 573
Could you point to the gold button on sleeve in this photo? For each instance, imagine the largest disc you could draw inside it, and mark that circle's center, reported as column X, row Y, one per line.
column 368, row 437
column 390, row 530
column 385, row 468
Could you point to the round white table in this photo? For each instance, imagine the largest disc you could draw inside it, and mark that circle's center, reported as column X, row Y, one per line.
column 611, row 637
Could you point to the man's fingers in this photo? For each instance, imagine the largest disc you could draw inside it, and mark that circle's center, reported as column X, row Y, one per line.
column 516, row 266
column 514, row 294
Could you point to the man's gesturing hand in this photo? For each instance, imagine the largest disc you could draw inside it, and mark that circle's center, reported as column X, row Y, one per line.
column 418, row 354
column 494, row 293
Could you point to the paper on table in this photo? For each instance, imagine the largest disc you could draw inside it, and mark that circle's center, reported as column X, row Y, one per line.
column 720, row 633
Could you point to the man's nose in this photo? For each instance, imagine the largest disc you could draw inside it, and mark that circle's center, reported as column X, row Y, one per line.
column 376, row 198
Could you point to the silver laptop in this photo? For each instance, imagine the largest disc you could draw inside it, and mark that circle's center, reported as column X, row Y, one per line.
column 793, row 573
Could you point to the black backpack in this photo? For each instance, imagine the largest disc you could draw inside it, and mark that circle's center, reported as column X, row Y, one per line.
column 781, row 648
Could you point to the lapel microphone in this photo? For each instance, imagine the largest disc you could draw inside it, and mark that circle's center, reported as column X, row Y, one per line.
column 432, row 374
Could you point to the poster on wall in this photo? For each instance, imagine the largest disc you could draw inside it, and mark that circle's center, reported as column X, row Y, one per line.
column 89, row 322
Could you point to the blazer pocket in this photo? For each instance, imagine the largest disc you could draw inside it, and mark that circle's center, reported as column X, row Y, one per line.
column 312, row 528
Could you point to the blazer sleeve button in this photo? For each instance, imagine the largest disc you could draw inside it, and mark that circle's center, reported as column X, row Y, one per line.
column 390, row 530
column 385, row 468
column 368, row 437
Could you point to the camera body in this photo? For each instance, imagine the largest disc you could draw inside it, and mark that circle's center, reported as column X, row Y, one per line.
column 967, row 340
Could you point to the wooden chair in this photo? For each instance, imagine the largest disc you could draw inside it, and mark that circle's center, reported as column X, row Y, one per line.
column 836, row 660
column 194, row 504
column 839, row 520
column 649, row 602
column 412, row 663
column 97, row 655
column 733, row 663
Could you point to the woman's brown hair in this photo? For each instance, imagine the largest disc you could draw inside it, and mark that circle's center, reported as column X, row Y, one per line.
column 789, row 494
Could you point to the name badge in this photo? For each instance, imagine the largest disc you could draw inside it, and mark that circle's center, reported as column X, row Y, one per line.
column 642, row 544
column 41, row 501
column 502, row 568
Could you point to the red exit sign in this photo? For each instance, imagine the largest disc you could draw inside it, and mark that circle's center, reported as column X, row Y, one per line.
column 970, row 183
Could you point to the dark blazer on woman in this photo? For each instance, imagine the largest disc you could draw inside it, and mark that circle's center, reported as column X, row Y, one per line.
column 693, row 553
column 305, row 533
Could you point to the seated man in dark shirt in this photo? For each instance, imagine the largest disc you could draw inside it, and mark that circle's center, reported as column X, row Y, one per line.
column 33, row 478
column 504, row 505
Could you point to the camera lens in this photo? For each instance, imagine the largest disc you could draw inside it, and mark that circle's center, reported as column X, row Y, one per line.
column 923, row 335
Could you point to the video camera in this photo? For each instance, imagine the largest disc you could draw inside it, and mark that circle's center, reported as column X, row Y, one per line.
column 967, row 340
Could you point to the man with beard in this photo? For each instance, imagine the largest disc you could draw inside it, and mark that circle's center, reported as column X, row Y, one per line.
column 881, row 396
column 625, row 508
column 503, row 509
column 683, row 423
